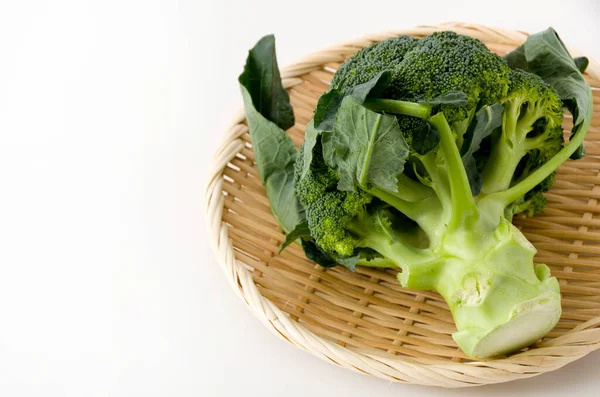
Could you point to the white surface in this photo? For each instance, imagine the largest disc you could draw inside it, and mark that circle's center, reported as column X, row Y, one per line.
column 109, row 114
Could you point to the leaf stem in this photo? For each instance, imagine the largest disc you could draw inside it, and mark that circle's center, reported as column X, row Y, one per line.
column 463, row 203
column 412, row 210
column 399, row 107
column 535, row 178
column 363, row 175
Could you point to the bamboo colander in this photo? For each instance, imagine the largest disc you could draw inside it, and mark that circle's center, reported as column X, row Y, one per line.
column 364, row 320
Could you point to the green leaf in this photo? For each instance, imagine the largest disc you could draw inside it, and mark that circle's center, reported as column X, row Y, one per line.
column 425, row 139
column 329, row 103
column 545, row 55
column 275, row 154
column 373, row 88
column 486, row 120
column 452, row 98
column 365, row 148
column 300, row 231
column 268, row 112
column 581, row 151
column 327, row 108
column 314, row 253
column 262, row 81
column 349, row 262
column 582, row 63
column 516, row 59
column 311, row 134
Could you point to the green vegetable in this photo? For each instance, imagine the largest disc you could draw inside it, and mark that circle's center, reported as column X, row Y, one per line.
column 417, row 159
column 582, row 63
column 531, row 135
column 329, row 104
column 268, row 113
column 487, row 119
column 262, row 82
column 361, row 146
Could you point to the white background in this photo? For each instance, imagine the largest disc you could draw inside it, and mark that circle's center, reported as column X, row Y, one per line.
column 109, row 114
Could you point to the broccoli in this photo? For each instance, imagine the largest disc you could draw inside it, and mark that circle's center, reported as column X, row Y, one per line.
column 417, row 159
column 531, row 131
column 424, row 69
column 431, row 188
column 372, row 60
column 444, row 62
column 329, row 211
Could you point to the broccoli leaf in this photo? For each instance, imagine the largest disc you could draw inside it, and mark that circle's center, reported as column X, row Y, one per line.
column 545, row 54
column 487, row 119
column 330, row 102
column 300, row 231
column 365, row 148
column 349, row 262
column 425, row 138
column 452, row 98
column 327, row 108
column 317, row 255
column 262, row 80
column 311, row 134
column 582, row 63
column 267, row 105
column 372, row 88
column 275, row 155
column 274, row 150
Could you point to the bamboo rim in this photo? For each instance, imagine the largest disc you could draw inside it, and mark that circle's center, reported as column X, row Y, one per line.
column 365, row 321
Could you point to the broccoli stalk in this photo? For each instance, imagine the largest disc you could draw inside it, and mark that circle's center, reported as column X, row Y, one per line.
column 531, row 123
column 454, row 247
column 492, row 300
column 546, row 170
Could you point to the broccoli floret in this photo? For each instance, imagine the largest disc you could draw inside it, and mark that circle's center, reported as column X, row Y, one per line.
column 444, row 62
column 531, row 135
column 408, row 125
column 368, row 62
column 427, row 68
column 328, row 211
column 359, row 222
column 530, row 204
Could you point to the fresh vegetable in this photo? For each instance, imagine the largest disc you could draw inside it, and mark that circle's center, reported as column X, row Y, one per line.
column 417, row 159
column 268, row 113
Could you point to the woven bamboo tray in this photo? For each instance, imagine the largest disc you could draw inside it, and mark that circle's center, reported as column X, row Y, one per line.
column 365, row 321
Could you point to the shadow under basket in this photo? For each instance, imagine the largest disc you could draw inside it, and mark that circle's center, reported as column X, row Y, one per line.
column 365, row 320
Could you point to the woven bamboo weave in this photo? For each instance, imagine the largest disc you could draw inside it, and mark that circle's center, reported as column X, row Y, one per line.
column 364, row 320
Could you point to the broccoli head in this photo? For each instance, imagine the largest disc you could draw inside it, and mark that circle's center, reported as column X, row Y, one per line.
column 430, row 67
column 328, row 210
column 530, row 136
column 444, row 62
column 372, row 60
